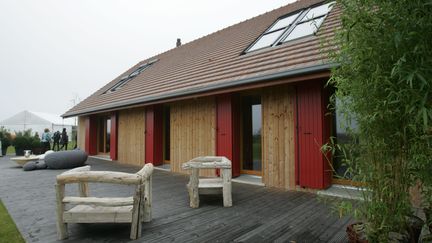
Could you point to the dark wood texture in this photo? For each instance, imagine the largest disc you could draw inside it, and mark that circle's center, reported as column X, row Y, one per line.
column 154, row 135
column 114, row 135
column 228, row 130
column 258, row 214
column 91, row 135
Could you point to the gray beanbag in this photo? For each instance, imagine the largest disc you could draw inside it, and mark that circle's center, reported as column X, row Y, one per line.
column 66, row 159
column 34, row 165
column 41, row 165
column 31, row 165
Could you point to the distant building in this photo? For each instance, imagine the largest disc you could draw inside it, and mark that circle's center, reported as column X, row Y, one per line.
column 37, row 122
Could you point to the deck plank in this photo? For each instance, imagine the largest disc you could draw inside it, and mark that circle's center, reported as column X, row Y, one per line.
column 258, row 214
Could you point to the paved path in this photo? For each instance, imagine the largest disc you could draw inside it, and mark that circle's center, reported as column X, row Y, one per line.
column 259, row 214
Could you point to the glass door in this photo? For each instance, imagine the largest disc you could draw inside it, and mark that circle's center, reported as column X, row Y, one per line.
column 251, row 135
column 104, row 135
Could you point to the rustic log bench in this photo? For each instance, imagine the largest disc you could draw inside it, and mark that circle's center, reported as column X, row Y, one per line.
column 219, row 185
column 86, row 209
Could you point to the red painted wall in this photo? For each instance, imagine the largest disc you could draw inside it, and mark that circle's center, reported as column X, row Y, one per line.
column 154, row 135
column 91, row 135
column 113, row 136
column 313, row 168
column 228, row 130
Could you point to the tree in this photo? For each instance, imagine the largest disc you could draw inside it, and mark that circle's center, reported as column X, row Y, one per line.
column 385, row 81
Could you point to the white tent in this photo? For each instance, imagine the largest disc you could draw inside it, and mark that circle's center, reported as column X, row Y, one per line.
column 37, row 122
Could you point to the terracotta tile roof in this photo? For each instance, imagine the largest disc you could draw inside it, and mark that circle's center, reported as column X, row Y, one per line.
column 216, row 61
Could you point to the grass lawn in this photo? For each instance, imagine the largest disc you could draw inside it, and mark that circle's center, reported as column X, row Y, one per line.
column 8, row 230
column 11, row 149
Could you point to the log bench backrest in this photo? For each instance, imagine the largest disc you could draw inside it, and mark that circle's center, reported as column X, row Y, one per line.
column 141, row 200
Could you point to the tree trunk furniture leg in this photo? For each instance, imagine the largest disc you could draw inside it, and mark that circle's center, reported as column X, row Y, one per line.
column 83, row 189
column 147, row 216
column 193, row 188
column 226, row 187
column 62, row 231
column 136, row 221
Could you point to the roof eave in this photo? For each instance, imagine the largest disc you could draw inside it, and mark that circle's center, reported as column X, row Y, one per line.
column 250, row 80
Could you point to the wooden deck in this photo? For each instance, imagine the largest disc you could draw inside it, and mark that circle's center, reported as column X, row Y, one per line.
column 259, row 214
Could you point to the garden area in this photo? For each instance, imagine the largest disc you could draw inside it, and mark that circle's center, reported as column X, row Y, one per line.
column 16, row 143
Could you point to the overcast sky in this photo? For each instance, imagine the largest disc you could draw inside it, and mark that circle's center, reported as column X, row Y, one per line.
column 55, row 51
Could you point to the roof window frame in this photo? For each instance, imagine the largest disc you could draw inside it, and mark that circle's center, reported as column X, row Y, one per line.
column 288, row 29
column 125, row 79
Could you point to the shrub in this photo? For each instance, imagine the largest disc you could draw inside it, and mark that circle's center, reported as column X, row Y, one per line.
column 23, row 141
column 5, row 138
column 385, row 75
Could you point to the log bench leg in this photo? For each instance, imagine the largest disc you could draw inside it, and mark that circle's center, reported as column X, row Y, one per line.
column 147, row 211
column 62, row 231
column 226, row 187
column 193, row 189
column 136, row 219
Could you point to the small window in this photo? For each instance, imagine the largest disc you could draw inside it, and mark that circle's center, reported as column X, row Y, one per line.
column 131, row 76
column 303, row 23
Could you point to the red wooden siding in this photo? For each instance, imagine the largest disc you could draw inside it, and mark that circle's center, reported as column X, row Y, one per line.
column 154, row 135
column 113, row 136
column 91, row 135
column 327, row 131
column 312, row 166
column 228, row 130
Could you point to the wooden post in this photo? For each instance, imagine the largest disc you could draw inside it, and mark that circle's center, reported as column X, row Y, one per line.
column 62, row 232
column 114, row 136
column 193, row 188
column 83, row 189
column 226, row 188
column 136, row 221
column 147, row 214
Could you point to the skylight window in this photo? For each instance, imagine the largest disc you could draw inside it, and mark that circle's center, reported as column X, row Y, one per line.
column 310, row 23
column 274, row 32
column 131, row 76
column 303, row 23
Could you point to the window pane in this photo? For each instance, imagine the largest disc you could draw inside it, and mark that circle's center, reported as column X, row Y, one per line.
column 281, row 23
column 256, row 136
column 267, row 40
column 318, row 11
column 304, row 29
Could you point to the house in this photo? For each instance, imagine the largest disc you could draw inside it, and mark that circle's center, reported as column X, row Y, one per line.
column 37, row 122
column 253, row 92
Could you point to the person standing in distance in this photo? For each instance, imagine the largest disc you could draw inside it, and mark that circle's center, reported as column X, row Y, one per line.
column 46, row 140
column 64, row 139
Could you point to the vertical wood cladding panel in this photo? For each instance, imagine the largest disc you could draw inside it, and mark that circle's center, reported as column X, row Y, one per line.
column 278, row 146
column 91, row 135
column 228, row 130
column 131, row 136
column 114, row 136
column 193, row 132
column 81, row 132
column 154, row 135
column 313, row 167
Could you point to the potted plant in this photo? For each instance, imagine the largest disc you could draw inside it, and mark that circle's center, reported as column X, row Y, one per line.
column 36, row 146
column 23, row 141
